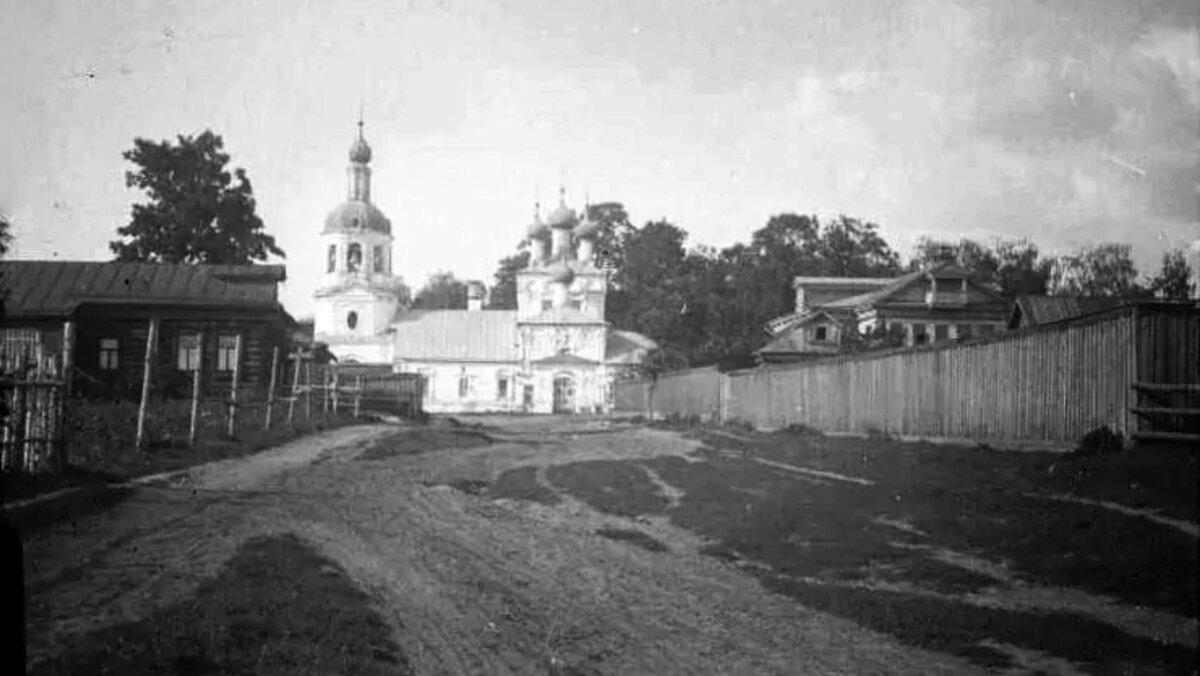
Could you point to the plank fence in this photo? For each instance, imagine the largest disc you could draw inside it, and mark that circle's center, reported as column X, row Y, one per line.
column 1051, row 383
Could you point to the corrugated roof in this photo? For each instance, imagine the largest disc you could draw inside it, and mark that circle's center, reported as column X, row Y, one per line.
column 1047, row 309
column 56, row 288
column 457, row 335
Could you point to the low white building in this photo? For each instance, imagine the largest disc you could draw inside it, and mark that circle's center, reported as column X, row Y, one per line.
column 554, row 353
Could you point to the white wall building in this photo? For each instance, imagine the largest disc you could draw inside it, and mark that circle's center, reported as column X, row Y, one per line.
column 554, row 353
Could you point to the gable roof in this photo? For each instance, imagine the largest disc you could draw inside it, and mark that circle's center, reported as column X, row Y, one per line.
column 953, row 270
column 797, row 319
column 564, row 359
column 786, row 339
column 623, row 346
column 864, row 282
column 1038, row 309
column 57, row 288
column 457, row 335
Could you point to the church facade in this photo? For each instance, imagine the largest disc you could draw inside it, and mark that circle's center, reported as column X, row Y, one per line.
column 554, row 353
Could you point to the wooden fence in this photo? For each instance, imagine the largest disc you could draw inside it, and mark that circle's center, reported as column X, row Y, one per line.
column 1047, row 384
column 32, row 393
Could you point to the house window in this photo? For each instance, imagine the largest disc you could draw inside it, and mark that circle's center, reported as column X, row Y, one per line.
column 464, row 386
column 354, row 257
column 187, row 357
column 546, row 305
column 941, row 332
column 378, row 259
column 820, row 334
column 920, row 337
column 227, row 348
column 352, row 320
column 502, row 388
column 576, row 305
column 427, row 383
column 331, row 262
column 528, row 396
column 108, row 354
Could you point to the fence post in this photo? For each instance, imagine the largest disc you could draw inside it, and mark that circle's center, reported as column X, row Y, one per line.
column 336, row 385
column 68, row 362
column 231, row 429
column 147, row 367
column 325, row 380
column 357, row 395
column 271, row 387
column 308, row 390
column 295, row 389
column 195, row 408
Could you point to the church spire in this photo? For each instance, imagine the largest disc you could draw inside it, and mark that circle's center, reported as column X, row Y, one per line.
column 360, row 173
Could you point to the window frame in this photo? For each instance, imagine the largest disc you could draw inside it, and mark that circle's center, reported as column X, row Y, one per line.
column 227, row 353
column 109, row 357
column 184, row 352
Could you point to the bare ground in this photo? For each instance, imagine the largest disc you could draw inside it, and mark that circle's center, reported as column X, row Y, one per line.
column 473, row 582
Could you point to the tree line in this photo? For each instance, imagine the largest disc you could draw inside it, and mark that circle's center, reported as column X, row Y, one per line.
column 702, row 304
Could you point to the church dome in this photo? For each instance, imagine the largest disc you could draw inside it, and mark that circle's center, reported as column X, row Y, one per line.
column 561, row 273
column 360, row 152
column 587, row 228
column 563, row 217
column 357, row 216
column 537, row 229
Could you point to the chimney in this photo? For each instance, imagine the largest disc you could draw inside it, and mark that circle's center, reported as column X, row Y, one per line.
column 474, row 296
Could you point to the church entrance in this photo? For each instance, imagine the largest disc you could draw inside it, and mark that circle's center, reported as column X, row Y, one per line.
column 564, row 394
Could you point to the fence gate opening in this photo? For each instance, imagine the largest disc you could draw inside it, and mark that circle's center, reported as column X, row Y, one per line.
column 564, row 394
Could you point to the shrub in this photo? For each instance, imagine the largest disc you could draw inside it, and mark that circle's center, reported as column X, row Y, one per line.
column 1100, row 441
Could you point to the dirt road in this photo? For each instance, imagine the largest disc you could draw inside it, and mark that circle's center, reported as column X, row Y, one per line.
column 467, row 584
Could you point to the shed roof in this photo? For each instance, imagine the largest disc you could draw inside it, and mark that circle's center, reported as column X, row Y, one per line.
column 57, row 288
column 1039, row 309
column 457, row 335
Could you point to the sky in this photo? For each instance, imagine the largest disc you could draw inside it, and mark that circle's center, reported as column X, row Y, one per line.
column 1070, row 122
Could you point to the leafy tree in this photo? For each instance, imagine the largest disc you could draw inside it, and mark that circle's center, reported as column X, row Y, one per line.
column 6, row 237
column 615, row 231
column 853, row 248
column 504, row 292
column 443, row 291
column 1010, row 265
column 198, row 212
column 650, row 291
column 1174, row 279
column 1100, row 270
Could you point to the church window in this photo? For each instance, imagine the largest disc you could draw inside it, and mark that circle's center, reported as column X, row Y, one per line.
column 528, row 396
column 108, row 354
column 379, row 259
column 352, row 320
column 502, row 388
column 546, row 305
column 331, row 263
column 576, row 305
column 354, row 257
column 465, row 386
column 226, row 351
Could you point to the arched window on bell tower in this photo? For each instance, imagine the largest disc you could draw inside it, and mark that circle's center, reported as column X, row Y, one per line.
column 354, row 258
column 331, row 263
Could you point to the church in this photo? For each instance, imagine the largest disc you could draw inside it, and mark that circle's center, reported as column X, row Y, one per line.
column 555, row 353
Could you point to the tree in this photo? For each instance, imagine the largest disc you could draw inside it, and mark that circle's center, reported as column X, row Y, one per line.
column 1174, row 279
column 853, row 248
column 198, row 212
column 1010, row 265
column 1100, row 270
column 614, row 232
column 504, row 292
column 6, row 237
column 443, row 291
column 649, row 288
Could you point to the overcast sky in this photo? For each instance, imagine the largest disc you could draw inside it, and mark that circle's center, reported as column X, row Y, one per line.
column 1070, row 121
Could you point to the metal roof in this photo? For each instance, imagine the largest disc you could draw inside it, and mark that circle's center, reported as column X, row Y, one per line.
column 57, row 288
column 457, row 335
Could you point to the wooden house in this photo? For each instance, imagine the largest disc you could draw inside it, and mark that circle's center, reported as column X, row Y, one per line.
column 1036, row 310
column 940, row 303
column 99, row 315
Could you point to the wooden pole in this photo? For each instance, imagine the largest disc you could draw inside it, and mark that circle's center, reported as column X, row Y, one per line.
column 68, row 362
column 336, row 385
column 325, row 388
column 295, row 388
column 357, row 394
column 147, row 368
column 195, row 408
column 231, row 429
column 308, row 390
column 271, row 387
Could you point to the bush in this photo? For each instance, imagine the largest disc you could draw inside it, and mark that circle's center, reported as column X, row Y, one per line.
column 1100, row 441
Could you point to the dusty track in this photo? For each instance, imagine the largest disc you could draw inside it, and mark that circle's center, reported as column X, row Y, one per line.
column 469, row 585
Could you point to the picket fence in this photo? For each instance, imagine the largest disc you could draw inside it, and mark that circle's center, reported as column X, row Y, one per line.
column 1046, row 384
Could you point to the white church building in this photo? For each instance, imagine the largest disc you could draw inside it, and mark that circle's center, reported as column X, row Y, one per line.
column 554, row 354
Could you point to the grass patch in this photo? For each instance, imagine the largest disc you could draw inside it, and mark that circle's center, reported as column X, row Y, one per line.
column 101, row 439
column 521, row 484
column 420, row 440
column 469, row 486
column 609, row 486
column 635, row 537
column 277, row 607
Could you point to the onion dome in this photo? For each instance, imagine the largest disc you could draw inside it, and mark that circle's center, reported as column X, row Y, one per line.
column 561, row 273
column 360, row 152
column 537, row 229
column 357, row 216
column 588, row 228
column 563, row 217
